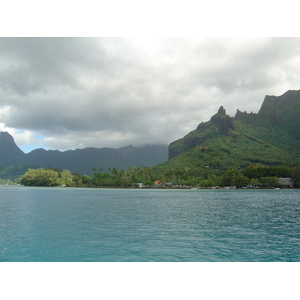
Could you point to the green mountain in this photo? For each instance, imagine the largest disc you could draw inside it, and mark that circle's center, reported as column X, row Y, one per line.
column 14, row 162
column 270, row 137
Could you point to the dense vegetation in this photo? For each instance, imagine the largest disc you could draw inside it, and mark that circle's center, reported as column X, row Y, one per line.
column 255, row 176
column 46, row 177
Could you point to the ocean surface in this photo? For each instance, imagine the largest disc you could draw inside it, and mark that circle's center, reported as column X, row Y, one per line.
column 141, row 225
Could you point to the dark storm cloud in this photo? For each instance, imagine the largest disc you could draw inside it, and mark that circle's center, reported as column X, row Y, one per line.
column 42, row 64
column 80, row 92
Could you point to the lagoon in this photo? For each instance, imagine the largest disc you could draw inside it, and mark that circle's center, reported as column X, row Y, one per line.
column 148, row 225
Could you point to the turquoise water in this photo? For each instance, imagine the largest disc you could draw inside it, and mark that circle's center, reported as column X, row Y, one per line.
column 76, row 224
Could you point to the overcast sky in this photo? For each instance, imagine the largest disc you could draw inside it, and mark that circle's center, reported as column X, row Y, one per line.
column 68, row 93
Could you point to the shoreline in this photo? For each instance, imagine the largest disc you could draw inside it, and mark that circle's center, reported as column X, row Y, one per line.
column 154, row 188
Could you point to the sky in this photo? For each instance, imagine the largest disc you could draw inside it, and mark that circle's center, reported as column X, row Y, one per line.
column 67, row 92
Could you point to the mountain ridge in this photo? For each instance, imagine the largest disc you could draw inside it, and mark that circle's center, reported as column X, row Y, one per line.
column 269, row 137
column 81, row 161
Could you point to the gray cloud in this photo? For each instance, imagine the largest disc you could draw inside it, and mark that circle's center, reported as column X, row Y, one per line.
column 111, row 92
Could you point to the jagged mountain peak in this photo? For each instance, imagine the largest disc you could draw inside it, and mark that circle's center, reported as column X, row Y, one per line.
column 222, row 110
column 269, row 137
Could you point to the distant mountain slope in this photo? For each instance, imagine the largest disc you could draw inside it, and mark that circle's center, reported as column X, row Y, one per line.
column 270, row 137
column 10, row 153
column 82, row 161
column 14, row 162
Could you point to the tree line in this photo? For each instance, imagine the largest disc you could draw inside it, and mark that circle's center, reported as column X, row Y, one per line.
column 256, row 176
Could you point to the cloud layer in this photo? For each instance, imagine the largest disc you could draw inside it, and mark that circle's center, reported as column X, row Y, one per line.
column 67, row 93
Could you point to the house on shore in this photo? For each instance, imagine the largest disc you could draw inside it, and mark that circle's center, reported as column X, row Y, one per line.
column 285, row 182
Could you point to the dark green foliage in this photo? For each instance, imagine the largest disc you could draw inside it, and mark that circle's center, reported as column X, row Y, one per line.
column 263, row 171
column 234, row 178
column 268, row 181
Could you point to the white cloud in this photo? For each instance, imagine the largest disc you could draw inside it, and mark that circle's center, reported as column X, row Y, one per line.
column 111, row 92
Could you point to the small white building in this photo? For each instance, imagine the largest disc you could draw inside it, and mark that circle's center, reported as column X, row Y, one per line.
column 138, row 184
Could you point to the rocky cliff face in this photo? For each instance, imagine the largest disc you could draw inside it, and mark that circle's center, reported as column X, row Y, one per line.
column 283, row 111
column 223, row 121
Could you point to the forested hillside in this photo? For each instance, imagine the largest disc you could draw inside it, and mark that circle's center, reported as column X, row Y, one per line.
column 270, row 137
